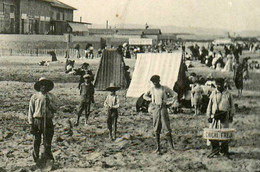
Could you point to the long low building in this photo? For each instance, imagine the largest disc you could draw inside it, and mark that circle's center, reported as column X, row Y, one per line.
column 127, row 33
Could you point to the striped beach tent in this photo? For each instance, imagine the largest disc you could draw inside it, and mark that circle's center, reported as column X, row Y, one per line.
column 111, row 69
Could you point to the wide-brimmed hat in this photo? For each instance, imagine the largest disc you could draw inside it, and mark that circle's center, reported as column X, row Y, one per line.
column 112, row 87
column 87, row 76
column 43, row 81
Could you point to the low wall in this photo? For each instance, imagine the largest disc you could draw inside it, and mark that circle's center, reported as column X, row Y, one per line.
column 19, row 45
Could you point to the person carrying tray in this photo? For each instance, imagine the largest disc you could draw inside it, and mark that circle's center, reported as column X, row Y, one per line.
column 220, row 112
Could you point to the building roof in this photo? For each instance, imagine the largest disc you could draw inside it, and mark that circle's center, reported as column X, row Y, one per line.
column 193, row 37
column 129, row 31
column 78, row 27
column 56, row 3
column 168, row 36
column 102, row 31
column 126, row 31
column 152, row 31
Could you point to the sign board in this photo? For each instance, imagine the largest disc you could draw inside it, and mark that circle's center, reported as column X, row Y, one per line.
column 24, row 16
column 140, row 41
column 42, row 18
column 47, row 18
column 11, row 15
column 218, row 134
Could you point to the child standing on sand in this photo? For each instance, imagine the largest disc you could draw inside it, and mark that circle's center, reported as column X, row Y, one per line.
column 112, row 105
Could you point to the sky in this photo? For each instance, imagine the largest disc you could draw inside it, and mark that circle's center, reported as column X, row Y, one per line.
column 232, row 15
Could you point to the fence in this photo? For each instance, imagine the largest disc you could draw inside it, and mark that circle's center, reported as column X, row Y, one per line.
column 37, row 52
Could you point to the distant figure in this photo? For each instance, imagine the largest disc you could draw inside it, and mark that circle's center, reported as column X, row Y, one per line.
column 197, row 94
column 238, row 77
column 127, row 76
column 228, row 65
column 245, row 68
column 53, row 56
column 69, row 65
column 112, row 105
column 77, row 48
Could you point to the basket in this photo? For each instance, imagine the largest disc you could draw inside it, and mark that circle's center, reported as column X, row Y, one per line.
column 222, row 134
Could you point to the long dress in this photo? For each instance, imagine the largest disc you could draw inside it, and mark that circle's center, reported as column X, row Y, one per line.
column 238, row 75
column 228, row 66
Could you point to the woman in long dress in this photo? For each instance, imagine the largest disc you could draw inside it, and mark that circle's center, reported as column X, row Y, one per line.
column 228, row 65
column 238, row 76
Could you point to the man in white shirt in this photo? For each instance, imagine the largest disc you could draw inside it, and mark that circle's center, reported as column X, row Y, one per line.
column 158, row 96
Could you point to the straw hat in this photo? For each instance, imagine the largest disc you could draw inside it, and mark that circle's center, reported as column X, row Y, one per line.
column 112, row 87
column 87, row 76
column 43, row 81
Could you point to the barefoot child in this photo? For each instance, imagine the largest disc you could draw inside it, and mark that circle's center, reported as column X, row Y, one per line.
column 86, row 97
column 112, row 104
column 197, row 93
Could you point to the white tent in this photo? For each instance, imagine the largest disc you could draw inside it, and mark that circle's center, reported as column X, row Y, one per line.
column 166, row 65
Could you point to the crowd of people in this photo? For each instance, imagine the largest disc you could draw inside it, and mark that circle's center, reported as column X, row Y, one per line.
column 227, row 61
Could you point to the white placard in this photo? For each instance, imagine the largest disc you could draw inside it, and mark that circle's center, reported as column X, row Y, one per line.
column 24, row 16
column 11, row 15
column 42, row 18
column 140, row 41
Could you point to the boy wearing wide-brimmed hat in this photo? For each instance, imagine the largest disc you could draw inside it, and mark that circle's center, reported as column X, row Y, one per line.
column 112, row 105
column 42, row 107
column 86, row 97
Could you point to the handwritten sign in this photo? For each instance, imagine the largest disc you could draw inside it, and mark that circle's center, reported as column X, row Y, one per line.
column 218, row 134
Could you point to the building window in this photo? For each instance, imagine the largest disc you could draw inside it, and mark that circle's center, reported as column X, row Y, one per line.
column 2, row 8
column 61, row 16
column 11, row 8
column 58, row 16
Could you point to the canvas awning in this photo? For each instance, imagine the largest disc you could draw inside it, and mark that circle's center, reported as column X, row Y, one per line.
column 78, row 27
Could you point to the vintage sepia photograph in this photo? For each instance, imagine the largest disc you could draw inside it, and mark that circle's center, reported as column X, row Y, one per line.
column 129, row 85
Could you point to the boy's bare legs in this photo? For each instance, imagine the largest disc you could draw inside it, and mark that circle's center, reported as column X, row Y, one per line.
column 158, row 149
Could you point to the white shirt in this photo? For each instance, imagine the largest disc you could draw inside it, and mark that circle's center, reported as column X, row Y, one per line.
column 112, row 101
column 159, row 95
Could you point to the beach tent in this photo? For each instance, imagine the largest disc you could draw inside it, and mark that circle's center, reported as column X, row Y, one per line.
column 166, row 65
column 111, row 69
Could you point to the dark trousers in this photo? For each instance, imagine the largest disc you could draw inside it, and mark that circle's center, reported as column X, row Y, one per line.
column 112, row 119
column 38, row 125
column 222, row 146
column 84, row 106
